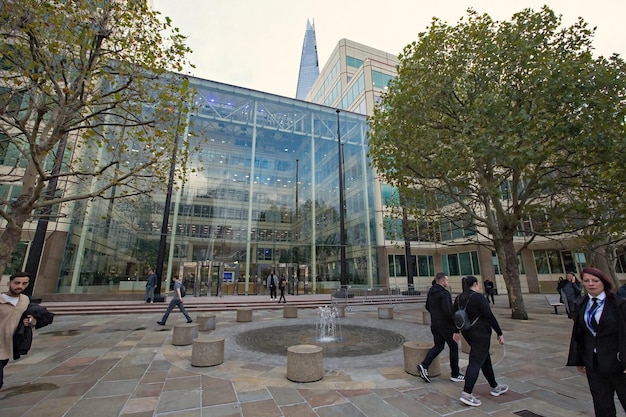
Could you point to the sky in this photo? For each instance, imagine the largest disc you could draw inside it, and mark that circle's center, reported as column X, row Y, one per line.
column 257, row 44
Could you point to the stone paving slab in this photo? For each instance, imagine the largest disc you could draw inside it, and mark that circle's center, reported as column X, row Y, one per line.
column 125, row 365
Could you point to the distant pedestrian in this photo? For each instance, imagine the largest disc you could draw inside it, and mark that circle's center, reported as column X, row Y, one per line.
column 177, row 301
column 272, row 284
column 12, row 306
column 150, row 285
column 439, row 305
column 570, row 292
column 490, row 290
column 283, row 286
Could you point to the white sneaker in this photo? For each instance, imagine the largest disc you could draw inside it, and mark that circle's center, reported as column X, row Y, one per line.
column 458, row 378
column 423, row 372
column 500, row 389
column 469, row 399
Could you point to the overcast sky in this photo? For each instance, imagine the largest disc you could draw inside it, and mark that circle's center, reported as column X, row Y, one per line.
column 257, row 44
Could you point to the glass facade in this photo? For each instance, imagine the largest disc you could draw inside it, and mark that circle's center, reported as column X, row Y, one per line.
column 262, row 193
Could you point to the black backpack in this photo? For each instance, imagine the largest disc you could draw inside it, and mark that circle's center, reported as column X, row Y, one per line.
column 183, row 291
column 461, row 319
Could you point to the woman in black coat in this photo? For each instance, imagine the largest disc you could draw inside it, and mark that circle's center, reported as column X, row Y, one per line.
column 479, row 339
column 598, row 344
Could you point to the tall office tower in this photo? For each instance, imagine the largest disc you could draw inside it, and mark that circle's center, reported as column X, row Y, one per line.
column 309, row 66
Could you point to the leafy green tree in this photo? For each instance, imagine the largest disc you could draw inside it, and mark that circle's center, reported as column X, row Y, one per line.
column 89, row 105
column 490, row 122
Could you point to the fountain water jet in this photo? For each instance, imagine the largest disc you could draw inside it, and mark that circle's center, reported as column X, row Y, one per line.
column 327, row 325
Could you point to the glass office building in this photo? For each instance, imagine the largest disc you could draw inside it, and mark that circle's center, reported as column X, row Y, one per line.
column 262, row 193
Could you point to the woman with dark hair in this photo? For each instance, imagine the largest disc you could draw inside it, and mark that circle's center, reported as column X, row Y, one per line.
column 479, row 339
column 598, row 344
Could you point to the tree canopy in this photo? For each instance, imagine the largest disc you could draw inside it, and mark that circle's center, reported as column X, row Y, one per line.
column 491, row 121
column 90, row 105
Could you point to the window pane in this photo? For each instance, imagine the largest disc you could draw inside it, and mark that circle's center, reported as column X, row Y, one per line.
column 475, row 263
column 555, row 262
column 392, row 270
column 466, row 263
column 541, row 262
column 400, row 266
column 453, row 264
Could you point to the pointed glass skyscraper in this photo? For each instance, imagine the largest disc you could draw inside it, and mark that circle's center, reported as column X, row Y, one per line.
column 309, row 66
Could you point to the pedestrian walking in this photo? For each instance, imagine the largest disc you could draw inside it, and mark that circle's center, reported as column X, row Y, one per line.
column 479, row 339
column 570, row 292
column 150, row 286
column 177, row 301
column 490, row 290
column 283, row 286
column 272, row 284
column 439, row 305
column 12, row 306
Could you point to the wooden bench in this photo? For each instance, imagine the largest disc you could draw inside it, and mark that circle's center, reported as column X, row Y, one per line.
column 555, row 301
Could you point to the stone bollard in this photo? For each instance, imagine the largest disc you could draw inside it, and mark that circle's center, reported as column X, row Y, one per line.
column 184, row 334
column 290, row 312
column 244, row 314
column 385, row 312
column 208, row 351
column 414, row 354
column 426, row 317
column 305, row 363
column 205, row 322
column 341, row 311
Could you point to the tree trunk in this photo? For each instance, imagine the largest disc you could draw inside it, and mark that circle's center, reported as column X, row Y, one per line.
column 11, row 236
column 506, row 251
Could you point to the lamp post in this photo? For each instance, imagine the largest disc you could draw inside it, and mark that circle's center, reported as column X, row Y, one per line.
column 342, row 207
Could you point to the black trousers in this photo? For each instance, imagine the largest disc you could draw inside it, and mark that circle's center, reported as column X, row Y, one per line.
column 603, row 388
column 440, row 340
column 3, row 363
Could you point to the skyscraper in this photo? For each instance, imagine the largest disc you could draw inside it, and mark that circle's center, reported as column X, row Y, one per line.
column 309, row 66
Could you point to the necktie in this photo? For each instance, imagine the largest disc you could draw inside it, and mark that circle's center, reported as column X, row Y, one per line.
column 592, row 314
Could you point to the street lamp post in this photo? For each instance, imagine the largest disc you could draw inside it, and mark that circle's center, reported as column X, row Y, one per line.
column 342, row 208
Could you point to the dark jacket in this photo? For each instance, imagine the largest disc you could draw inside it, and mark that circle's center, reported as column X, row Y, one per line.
column 478, row 307
column 610, row 339
column 571, row 292
column 23, row 336
column 439, row 305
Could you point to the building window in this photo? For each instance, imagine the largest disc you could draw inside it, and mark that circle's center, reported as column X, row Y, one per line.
column 548, row 262
column 464, row 263
column 354, row 62
column 397, row 265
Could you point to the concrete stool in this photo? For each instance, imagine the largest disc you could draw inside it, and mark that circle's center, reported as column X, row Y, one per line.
column 305, row 363
column 414, row 354
column 244, row 314
column 205, row 322
column 207, row 351
column 341, row 311
column 426, row 317
column 290, row 312
column 385, row 312
column 465, row 347
column 184, row 334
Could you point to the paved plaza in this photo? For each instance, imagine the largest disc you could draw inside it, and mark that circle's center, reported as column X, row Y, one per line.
column 125, row 365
